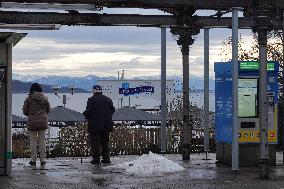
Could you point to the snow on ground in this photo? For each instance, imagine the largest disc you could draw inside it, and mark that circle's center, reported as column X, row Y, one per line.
column 149, row 165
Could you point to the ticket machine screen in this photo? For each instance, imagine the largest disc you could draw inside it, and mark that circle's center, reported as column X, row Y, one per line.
column 248, row 98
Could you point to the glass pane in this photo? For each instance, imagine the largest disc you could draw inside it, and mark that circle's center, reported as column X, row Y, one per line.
column 247, row 97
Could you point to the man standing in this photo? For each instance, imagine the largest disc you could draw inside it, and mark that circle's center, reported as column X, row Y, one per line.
column 99, row 113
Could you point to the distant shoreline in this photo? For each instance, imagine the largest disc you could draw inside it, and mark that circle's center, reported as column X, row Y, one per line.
column 176, row 92
column 195, row 91
column 53, row 92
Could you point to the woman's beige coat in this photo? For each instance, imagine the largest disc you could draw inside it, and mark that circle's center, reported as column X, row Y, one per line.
column 36, row 107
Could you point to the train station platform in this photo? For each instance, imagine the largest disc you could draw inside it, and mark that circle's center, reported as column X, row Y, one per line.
column 198, row 174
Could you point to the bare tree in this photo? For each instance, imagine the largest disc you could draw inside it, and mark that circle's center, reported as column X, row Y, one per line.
column 249, row 51
column 274, row 53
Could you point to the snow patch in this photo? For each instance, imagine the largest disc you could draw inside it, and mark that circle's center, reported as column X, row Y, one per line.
column 149, row 165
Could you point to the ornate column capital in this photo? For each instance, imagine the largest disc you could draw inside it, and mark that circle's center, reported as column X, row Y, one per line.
column 184, row 37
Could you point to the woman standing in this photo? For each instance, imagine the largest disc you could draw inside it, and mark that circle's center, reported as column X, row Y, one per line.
column 36, row 107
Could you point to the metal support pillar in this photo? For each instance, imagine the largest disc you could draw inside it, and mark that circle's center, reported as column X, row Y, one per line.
column 282, row 124
column 235, row 76
column 184, row 40
column 48, row 142
column 163, row 92
column 7, row 41
column 263, row 103
column 283, row 88
column 6, row 109
column 9, row 48
column 206, row 91
column 3, row 63
column 186, row 131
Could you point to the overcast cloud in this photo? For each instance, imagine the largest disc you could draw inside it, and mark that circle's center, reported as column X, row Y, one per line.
column 81, row 51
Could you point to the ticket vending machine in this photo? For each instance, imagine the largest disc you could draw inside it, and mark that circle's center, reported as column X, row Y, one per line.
column 248, row 111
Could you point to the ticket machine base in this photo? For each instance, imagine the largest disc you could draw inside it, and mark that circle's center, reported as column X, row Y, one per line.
column 248, row 154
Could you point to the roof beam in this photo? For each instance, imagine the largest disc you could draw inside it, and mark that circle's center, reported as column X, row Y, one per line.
column 49, row 6
column 30, row 26
column 11, row 37
column 197, row 4
column 93, row 19
column 85, row 19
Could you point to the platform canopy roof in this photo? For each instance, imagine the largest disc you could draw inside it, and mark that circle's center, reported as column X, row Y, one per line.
column 133, row 114
column 16, row 118
column 176, row 4
column 14, row 13
column 60, row 116
column 18, row 122
column 11, row 37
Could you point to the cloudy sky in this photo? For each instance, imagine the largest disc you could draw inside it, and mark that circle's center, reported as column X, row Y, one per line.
column 102, row 51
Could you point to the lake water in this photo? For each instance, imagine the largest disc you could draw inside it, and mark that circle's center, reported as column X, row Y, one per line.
column 78, row 101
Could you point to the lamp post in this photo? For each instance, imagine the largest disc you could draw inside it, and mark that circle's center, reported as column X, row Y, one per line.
column 64, row 97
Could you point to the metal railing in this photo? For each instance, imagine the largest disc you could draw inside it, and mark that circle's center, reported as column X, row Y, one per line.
column 125, row 140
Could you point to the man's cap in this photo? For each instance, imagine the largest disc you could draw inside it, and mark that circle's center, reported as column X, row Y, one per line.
column 97, row 88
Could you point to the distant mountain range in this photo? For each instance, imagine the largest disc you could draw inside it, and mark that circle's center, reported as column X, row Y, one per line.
column 84, row 84
column 24, row 87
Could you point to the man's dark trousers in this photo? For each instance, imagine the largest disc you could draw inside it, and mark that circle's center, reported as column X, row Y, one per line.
column 100, row 146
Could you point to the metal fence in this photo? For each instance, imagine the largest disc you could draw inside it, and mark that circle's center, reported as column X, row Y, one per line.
column 124, row 140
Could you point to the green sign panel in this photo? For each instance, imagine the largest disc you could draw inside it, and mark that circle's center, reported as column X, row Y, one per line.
column 270, row 66
column 9, row 155
column 253, row 65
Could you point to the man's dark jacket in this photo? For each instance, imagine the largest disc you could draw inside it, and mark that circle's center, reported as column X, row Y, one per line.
column 99, row 113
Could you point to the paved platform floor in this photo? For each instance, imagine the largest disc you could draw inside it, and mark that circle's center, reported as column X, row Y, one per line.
column 63, row 173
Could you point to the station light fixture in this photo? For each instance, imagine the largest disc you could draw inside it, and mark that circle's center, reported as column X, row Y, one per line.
column 54, row 6
column 30, row 26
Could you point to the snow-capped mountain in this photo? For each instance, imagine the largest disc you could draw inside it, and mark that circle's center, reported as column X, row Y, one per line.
column 195, row 83
column 82, row 82
column 24, row 87
column 25, row 78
